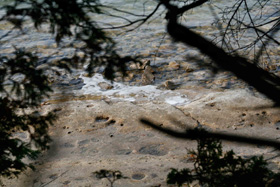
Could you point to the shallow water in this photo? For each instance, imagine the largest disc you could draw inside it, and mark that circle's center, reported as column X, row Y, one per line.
column 150, row 41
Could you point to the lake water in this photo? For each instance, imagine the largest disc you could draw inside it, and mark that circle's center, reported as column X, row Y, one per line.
column 150, row 41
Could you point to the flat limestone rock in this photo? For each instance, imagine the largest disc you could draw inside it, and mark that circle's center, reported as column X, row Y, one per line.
column 92, row 135
column 233, row 108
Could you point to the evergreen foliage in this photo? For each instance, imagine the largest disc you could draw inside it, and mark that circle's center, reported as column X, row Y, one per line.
column 110, row 175
column 22, row 88
column 213, row 167
column 23, row 85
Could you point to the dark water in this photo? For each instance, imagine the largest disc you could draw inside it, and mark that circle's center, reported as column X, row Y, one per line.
column 149, row 40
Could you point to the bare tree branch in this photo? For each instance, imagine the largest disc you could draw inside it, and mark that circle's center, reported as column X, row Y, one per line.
column 140, row 21
column 262, row 80
column 191, row 134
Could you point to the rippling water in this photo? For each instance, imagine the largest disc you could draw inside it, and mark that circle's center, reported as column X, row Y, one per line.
column 150, row 40
column 145, row 39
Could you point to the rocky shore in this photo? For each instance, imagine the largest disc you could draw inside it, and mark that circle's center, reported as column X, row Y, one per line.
column 93, row 134
column 99, row 126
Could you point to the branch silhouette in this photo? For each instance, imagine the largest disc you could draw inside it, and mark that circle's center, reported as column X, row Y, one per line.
column 263, row 81
column 191, row 134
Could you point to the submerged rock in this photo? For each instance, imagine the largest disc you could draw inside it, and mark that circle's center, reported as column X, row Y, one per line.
column 76, row 81
column 148, row 75
column 105, row 86
column 174, row 65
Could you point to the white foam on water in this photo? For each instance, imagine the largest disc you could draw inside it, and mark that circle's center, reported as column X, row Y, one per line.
column 131, row 93
column 177, row 100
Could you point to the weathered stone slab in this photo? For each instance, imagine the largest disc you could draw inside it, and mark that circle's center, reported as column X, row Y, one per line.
column 91, row 135
column 233, row 108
